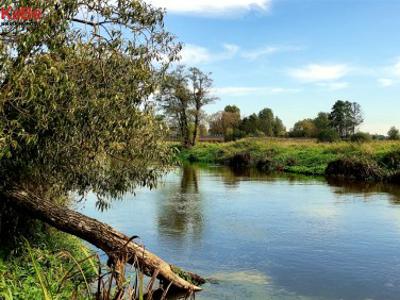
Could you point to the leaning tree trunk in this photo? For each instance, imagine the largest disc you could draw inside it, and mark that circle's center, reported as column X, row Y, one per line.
column 118, row 246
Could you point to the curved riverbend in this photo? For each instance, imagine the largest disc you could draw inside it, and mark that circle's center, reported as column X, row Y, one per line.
column 270, row 236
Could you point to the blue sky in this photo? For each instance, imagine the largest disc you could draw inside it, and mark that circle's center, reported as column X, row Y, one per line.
column 295, row 56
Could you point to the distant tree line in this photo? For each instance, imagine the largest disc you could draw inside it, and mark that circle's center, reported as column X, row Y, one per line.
column 341, row 123
column 187, row 90
column 229, row 124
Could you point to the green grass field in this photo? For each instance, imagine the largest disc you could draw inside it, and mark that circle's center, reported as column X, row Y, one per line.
column 295, row 155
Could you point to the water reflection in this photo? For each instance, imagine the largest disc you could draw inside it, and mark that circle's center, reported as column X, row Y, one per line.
column 180, row 212
column 366, row 189
column 232, row 177
column 275, row 236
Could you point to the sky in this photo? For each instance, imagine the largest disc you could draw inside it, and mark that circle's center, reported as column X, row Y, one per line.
column 296, row 57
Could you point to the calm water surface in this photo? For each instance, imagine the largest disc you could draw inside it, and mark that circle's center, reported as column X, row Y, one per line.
column 269, row 237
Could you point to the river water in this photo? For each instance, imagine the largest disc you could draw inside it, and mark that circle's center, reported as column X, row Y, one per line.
column 269, row 236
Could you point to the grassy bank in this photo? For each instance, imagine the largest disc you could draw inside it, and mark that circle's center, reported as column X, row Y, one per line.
column 380, row 158
column 52, row 267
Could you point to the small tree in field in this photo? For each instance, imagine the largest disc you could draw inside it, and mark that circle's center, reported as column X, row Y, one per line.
column 394, row 134
column 182, row 96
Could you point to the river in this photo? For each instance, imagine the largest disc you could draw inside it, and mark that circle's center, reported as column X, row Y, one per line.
column 269, row 236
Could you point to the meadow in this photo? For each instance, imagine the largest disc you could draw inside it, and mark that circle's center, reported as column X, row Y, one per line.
column 303, row 156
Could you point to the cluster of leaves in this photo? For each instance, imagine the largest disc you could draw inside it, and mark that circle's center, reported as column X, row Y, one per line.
column 75, row 113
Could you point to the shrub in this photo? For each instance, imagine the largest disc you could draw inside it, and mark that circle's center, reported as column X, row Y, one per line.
column 361, row 137
column 240, row 160
column 328, row 135
column 394, row 134
column 355, row 168
column 391, row 160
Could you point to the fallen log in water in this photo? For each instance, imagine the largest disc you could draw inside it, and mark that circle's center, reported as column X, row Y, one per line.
column 117, row 245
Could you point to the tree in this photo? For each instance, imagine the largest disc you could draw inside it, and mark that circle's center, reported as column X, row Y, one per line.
column 200, row 86
column 393, row 134
column 232, row 109
column 279, row 128
column 328, row 135
column 304, row 128
column 345, row 117
column 356, row 116
column 266, row 121
column 216, row 124
column 175, row 98
column 249, row 125
column 182, row 96
column 322, row 122
column 75, row 116
column 226, row 123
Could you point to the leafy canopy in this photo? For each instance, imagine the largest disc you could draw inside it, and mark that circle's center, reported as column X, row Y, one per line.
column 75, row 90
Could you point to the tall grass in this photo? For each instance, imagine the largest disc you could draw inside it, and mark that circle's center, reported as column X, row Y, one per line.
column 57, row 266
column 289, row 155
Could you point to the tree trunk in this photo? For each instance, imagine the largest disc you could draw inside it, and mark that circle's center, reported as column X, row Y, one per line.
column 112, row 242
column 196, row 128
column 185, row 131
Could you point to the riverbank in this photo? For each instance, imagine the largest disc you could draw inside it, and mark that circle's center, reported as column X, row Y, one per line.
column 376, row 160
column 53, row 266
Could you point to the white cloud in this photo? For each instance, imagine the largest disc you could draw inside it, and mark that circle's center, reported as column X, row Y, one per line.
column 245, row 90
column 268, row 50
column 334, row 86
column 320, row 73
column 385, row 82
column 254, row 54
column 396, row 68
column 193, row 54
column 211, row 7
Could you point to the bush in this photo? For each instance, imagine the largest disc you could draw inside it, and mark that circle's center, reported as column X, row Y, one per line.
column 240, row 160
column 391, row 160
column 355, row 168
column 361, row 137
column 394, row 134
column 328, row 135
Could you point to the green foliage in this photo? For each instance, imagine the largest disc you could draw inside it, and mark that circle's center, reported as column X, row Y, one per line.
column 74, row 109
column 289, row 155
column 322, row 122
column 226, row 123
column 263, row 124
column 47, row 269
column 394, row 134
column 182, row 97
column 360, row 168
column 304, row 128
column 345, row 117
column 328, row 135
column 391, row 160
column 361, row 137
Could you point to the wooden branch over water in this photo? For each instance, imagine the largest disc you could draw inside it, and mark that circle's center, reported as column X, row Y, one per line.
column 117, row 245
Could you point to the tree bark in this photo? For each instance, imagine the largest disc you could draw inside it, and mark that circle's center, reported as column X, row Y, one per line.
column 112, row 242
column 196, row 126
